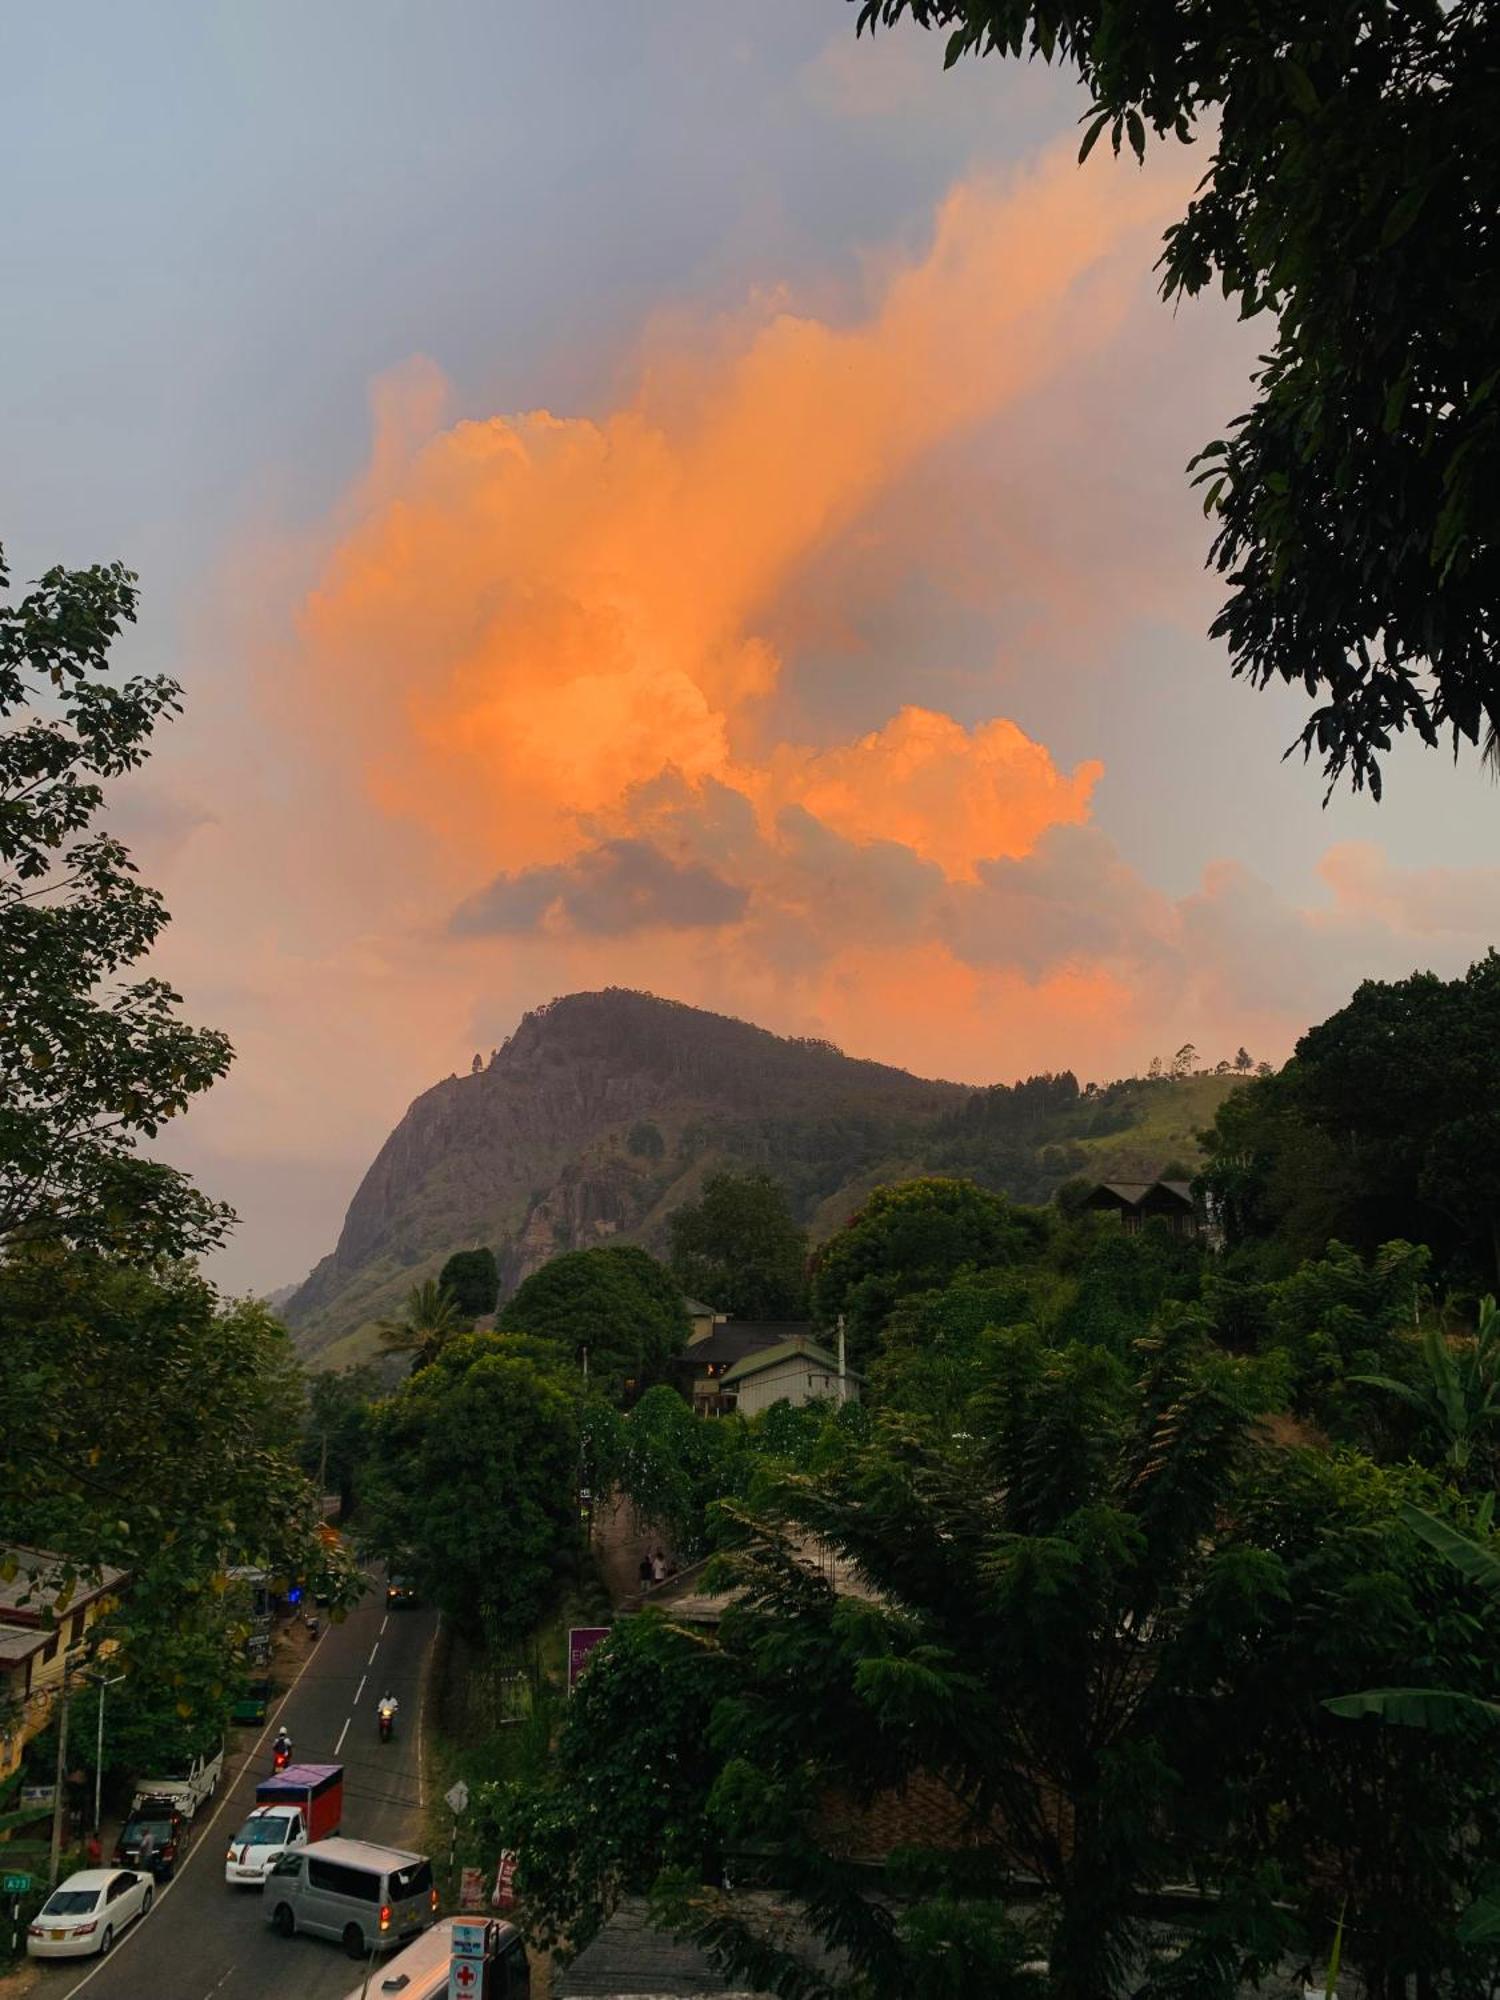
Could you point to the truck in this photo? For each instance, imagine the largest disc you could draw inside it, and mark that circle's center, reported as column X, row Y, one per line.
column 303, row 1803
column 193, row 1781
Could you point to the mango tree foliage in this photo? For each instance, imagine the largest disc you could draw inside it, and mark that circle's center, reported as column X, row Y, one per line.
column 913, row 1237
column 617, row 1302
column 472, row 1480
column 90, row 1061
column 1348, row 193
column 738, row 1248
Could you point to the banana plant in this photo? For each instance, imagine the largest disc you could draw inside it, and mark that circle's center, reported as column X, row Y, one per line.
column 1461, row 1395
column 1472, row 1554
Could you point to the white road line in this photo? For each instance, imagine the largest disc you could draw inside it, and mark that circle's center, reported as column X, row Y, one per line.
column 209, row 1995
column 383, row 1623
column 198, row 1837
column 373, row 1651
column 342, row 1734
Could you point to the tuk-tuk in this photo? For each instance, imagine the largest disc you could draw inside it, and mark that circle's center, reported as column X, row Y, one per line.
column 253, row 1703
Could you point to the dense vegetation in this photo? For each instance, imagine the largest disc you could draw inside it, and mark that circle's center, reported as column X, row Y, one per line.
column 1127, row 1557
column 145, row 1424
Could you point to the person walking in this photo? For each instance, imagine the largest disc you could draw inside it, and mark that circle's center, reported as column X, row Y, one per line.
column 646, row 1573
column 658, row 1568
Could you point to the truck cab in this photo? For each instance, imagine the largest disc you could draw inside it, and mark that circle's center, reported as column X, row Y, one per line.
column 267, row 1834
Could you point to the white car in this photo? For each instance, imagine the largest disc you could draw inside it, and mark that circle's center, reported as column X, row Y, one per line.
column 84, row 1915
column 263, row 1839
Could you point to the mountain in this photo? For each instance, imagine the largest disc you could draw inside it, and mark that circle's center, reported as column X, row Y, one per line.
column 605, row 1111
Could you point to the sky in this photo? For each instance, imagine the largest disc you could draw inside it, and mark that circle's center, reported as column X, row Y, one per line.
column 659, row 493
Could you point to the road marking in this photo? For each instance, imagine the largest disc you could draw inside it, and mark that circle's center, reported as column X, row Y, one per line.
column 373, row 1651
column 209, row 1995
column 383, row 1623
column 197, row 1841
column 342, row 1734
column 360, row 1689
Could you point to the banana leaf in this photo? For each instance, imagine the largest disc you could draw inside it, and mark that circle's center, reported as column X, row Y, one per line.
column 1442, row 1710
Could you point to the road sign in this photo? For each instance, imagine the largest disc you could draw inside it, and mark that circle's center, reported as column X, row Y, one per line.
column 471, row 1889
column 465, row 1979
column 473, row 1940
column 458, row 1797
column 582, row 1639
column 14, row 1885
column 505, row 1881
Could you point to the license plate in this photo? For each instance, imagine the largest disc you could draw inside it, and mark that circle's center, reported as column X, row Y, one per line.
column 57, row 1936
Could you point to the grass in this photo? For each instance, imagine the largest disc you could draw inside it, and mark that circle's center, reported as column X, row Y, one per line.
column 1168, row 1118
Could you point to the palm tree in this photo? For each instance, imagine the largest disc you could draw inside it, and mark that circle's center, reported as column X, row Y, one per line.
column 429, row 1321
column 1461, row 1396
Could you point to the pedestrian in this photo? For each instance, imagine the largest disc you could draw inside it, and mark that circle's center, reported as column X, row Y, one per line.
column 145, row 1853
column 646, row 1573
column 93, row 1850
column 658, row 1568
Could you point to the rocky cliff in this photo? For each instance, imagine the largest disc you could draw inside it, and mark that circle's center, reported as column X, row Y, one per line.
column 605, row 1111
column 601, row 1113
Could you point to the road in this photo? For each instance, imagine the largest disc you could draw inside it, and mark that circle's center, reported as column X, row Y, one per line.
column 207, row 1941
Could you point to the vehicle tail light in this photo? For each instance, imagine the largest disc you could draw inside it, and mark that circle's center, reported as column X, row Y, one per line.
column 385, row 1916
column 432, row 1898
column 86, row 1930
column 35, row 1930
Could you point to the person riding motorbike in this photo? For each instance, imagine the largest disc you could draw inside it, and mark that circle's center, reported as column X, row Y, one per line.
column 385, row 1715
column 281, row 1749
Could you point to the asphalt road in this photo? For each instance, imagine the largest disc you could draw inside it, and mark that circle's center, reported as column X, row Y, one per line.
column 206, row 1941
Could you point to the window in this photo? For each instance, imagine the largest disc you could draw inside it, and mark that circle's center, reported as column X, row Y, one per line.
column 49, row 1651
column 515, row 1973
column 339, row 1880
column 75, row 1630
column 288, row 1864
column 118, row 1887
column 413, row 1881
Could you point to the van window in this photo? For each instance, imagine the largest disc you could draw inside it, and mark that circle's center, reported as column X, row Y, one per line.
column 340, row 1880
column 287, row 1864
column 515, row 1973
column 413, row 1881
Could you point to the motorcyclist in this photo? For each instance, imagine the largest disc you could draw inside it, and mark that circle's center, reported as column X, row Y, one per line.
column 385, row 1715
column 281, row 1749
column 388, row 1704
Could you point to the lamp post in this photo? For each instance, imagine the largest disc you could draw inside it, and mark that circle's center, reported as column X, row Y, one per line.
column 101, row 1684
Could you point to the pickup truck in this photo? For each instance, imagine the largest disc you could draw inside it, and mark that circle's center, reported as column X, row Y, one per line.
column 188, row 1786
column 305, row 1802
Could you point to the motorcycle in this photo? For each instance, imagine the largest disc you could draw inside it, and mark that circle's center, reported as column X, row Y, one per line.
column 386, row 1723
column 281, row 1756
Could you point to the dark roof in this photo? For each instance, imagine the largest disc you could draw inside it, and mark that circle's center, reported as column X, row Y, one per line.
column 732, row 1339
column 817, row 1358
column 628, row 1960
column 1138, row 1194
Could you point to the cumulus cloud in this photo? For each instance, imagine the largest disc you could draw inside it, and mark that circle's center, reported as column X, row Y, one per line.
column 621, row 885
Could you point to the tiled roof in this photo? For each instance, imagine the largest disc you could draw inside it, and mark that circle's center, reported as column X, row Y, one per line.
column 25, row 1601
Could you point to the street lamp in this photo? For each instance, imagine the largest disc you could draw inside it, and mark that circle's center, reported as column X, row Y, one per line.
column 101, row 1683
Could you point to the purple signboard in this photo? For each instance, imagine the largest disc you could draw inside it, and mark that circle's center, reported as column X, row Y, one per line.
column 582, row 1639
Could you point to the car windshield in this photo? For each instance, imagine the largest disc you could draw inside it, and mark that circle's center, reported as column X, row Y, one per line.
column 159, row 1829
column 264, row 1832
column 72, row 1903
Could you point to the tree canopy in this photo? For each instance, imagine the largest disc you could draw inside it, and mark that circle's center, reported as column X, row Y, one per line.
column 90, row 1063
column 1385, row 1123
column 912, row 1237
column 1350, row 195
column 471, row 1482
column 472, row 1280
column 738, row 1248
column 617, row 1302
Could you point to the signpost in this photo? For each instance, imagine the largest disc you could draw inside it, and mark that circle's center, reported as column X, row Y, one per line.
column 582, row 1639
column 504, row 1897
column 15, row 1885
column 472, row 1943
column 471, row 1889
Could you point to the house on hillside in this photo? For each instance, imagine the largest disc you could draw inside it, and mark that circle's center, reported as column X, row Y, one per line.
column 1139, row 1202
column 40, row 1642
column 704, row 1319
column 700, row 1369
column 794, row 1371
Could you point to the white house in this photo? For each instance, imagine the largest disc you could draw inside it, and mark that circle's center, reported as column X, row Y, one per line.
column 795, row 1371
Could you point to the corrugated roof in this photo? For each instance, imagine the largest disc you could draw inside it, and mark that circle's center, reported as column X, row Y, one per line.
column 26, row 1599
column 732, row 1339
column 787, row 1350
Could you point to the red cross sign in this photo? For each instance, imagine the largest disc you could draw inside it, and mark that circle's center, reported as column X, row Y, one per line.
column 464, row 1976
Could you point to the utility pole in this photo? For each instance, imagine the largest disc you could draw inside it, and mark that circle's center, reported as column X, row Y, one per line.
column 99, row 1749
column 843, row 1365
column 57, row 1797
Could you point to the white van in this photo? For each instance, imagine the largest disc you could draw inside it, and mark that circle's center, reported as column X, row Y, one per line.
column 420, row 1972
column 365, row 1897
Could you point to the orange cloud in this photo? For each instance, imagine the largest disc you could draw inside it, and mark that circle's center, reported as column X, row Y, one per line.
column 529, row 618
